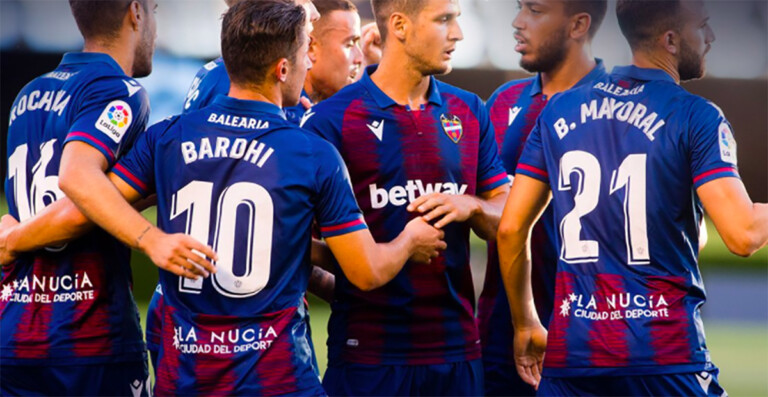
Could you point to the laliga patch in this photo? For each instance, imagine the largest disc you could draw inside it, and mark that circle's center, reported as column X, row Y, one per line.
column 115, row 120
column 727, row 143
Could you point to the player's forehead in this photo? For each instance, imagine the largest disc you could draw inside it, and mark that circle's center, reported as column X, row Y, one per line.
column 694, row 10
column 440, row 7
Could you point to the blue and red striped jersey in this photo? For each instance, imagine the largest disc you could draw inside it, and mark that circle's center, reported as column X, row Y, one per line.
column 69, row 304
column 239, row 177
column 514, row 108
column 425, row 315
column 623, row 157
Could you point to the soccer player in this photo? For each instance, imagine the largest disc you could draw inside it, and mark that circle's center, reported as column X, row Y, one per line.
column 414, row 146
column 68, row 322
column 554, row 38
column 624, row 159
column 240, row 176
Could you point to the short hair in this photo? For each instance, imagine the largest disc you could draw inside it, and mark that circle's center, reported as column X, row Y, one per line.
column 100, row 18
column 328, row 6
column 383, row 9
column 641, row 21
column 595, row 8
column 257, row 33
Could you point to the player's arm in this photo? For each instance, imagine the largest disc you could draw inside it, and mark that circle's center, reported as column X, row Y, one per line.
column 322, row 284
column 369, row 265
column 527, row 200
column 105, row 200
column 742, row 224
column 483, row 212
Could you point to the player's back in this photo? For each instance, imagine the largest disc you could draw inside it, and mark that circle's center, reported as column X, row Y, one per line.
column 241, row 178
column 623, row 157
column 71, row 302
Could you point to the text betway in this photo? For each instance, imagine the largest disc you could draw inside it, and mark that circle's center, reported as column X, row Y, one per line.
column 402, row 195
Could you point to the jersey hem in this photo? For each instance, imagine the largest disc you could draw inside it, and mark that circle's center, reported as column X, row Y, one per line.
column 624, row 371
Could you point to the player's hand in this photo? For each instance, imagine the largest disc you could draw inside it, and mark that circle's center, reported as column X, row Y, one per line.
column 427, row 240
column 370, row 44
column 444, row 208
column 7, row 224
column 529, row 346
column 178, row 253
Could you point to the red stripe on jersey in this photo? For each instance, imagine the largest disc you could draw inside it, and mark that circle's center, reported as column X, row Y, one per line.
column 328, row 229
column 276, row 370
column 557, row 343
column 468, row 145
column 214, row 373
column 91, row 318
column 711, row 172
column 131, row 176
column 32, row 332
column 670, row 336
column 533, row 169
column 501, row 107
column 608, row 338
column 94, row 141
column 493, row 180
column 167, row 374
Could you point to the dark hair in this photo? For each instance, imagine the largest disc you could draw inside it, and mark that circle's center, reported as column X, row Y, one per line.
column 595, row 8
column 641, row 21
column 257, row 33
column 383, row 9
column 100, row 18
column 327, row 6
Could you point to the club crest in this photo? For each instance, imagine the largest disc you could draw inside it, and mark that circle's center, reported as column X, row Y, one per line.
column 452, row 127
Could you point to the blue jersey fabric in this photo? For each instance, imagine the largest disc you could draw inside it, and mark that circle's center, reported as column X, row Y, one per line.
column 623, row 158
column 239, row 177
column 514, row 108
column 72, row 304
column 425, row 315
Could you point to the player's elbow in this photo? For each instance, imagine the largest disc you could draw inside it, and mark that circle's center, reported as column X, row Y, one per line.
column 744, row 243
column 366, row 283
column 507, row 231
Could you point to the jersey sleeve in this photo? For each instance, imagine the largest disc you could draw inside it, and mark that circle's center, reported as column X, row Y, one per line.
column 712, row 150
column 111, row 117
column 319, row 121
column 211, row 81
column 137, row 167
column 490, row 170
column 532, row 162
column 337, row 212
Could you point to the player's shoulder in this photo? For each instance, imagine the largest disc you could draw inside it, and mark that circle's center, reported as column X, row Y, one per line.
column 214, row 68
column 333, row 109
column 511, row 87
column 451, row 92
column 164, row 127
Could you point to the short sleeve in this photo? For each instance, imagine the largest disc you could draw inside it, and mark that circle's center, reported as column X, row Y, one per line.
column 490, row 170
column 112, row 115
column 532, row 162
column 337, row 212
column 712, row 150
column 137, row 167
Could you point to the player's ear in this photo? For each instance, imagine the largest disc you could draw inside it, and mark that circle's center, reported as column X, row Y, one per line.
column 313, row 48
column 281, row 70
column 580, row 24
column 135, row 15
column 399, row 24
column 670, row 41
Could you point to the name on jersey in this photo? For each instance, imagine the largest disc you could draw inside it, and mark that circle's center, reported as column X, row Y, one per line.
column 635, row 114
column 238, row 121
column 403, row 195
column 49, row 289
column 236, row 340
column 614, row 306
column 63, row 76
column 48, row 101
column 251, row 151
column 614, row 89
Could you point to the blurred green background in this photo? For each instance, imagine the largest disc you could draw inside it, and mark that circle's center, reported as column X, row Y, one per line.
column 736, row 325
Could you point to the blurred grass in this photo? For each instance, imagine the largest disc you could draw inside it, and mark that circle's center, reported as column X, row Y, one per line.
column 739, row 349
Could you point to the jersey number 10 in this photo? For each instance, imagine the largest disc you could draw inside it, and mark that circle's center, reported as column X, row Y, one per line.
column 629, row 176
column 195, row 199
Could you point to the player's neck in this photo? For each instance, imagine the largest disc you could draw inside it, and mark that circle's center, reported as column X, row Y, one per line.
column 315, row 95
column 123, row 58
column 256, row 94
column 403, row 84
column 564, row 76
column 650, row 60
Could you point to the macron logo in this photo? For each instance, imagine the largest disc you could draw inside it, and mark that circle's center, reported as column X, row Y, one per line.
column 402, row 195
column 513, row 112
column 377, row 127
column 133, row 87
column 306, row 117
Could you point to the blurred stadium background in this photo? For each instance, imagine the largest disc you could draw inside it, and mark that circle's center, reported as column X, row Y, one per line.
column 34, row 34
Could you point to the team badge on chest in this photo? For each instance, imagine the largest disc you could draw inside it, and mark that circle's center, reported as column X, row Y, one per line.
column 452, row 127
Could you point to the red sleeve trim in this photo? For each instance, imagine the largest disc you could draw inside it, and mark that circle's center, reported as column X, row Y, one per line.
column 329, row 229
column 533, row 169
column 711, row 172
column 92, row 140
column 130, row 176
